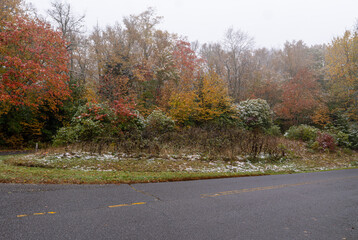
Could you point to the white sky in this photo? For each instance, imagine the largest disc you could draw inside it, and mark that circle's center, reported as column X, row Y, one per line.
column 270, row 22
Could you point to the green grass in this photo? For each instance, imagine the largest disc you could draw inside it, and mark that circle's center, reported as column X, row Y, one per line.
column 16, row 174
column 10, row 173
column 33, row 169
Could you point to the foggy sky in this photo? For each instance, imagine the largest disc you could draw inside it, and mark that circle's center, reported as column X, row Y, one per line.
column 270, row 22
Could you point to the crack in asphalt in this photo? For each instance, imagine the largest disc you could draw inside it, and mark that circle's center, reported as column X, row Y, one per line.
column 145, row 193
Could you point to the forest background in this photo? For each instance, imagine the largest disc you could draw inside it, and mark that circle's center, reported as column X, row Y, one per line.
column 59, row 84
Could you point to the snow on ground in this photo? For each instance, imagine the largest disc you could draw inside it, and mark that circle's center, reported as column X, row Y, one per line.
column 86, row 161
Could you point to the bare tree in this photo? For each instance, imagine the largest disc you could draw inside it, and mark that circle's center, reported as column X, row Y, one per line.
column 238, row 46
column 195, row 46
column 65, row 19
column 296, row 56
column 70, row 25
column 215, row 57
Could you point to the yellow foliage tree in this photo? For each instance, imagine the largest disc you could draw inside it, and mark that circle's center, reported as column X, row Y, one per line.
column 206, row 100
column 342, row 67
column 183, row 106
column 213, row 97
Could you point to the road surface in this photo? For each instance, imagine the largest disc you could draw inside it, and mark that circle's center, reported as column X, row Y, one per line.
column 321, row 205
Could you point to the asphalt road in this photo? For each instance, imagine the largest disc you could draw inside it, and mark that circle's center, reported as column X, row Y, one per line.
column 320, row 205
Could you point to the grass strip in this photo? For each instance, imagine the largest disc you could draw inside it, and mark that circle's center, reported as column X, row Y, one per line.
column 40, row 175
column 33, row 175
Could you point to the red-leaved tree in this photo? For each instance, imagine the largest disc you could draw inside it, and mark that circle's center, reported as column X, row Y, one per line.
column 300, row 97
column 33, row 66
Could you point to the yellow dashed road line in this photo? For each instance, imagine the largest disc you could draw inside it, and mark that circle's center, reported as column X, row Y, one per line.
column 125, row 205
column 268, row 187
column 47, row 213
column 34, row 214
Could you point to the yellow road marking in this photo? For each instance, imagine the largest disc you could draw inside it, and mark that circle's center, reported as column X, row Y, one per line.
column 268, row 187
column 42, row 213
column 35, row 214
column 120, row 205
column 125, row 205
column 138, row 203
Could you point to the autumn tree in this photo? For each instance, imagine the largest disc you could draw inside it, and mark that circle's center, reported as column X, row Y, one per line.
column 9, row 9
column 198, row 97
column 165, row 73
column 183, row 104
column 187, row 63
column 265, row 80
column 143, row 40
column 33, row 73
column 208, row 100
column 140, row 30
column 137, row 53
column 342, row 69
column 212, row 97
column 300, row 97
column 291, row 80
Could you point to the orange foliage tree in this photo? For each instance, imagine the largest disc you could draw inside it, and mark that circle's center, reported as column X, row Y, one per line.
column 299, row 98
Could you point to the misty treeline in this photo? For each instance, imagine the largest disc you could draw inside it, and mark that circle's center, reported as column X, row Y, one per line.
column 127, row 70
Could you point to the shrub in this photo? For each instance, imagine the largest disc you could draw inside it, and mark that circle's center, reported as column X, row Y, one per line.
column 101, row 113
column 255, row 114
column 126, row 117
column 315, row 146
column 89, row 130
column 226, row 121
column 97, row 121
column 346, row 135
column 353, row 137
column 65, row 135
column 159, row 122
column 342, row 139
column 326, row 141
column 303, row 132
column 274, row 130
column 135, row 122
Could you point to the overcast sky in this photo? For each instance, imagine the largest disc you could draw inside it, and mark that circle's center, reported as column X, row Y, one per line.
column 269, row 22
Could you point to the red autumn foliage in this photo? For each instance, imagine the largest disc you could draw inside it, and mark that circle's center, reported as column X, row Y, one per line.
column 326, row 141
column 124, row 110
column 299, row 97
column 186, row 61
column 96, row 112
column 33, row 62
